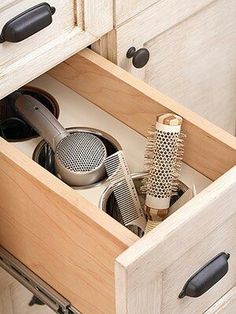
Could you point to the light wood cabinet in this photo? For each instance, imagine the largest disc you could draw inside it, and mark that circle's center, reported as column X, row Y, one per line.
column 124, row 10
column 192, row 47
column 226, row 305
column 85, row 255
column 75, row 25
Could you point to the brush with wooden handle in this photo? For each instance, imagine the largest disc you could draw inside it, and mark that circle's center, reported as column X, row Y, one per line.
column 163, row 157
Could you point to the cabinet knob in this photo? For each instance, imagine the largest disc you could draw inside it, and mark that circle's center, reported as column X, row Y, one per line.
column 140, row 56
column 27, row 23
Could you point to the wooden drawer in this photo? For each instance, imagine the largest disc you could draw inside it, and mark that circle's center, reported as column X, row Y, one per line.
column 92, row 260
column 75, row 25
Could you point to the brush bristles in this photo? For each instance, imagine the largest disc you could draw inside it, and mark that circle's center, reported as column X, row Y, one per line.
column 179, row 158
column 151, row 146
column 151, row 225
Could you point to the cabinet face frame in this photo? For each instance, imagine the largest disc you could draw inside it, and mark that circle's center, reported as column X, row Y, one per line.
column 62, row 237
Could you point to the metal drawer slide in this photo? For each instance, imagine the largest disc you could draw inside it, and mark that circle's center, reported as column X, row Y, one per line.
column 37, row 286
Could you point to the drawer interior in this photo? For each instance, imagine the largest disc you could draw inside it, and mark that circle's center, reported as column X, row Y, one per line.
column 76, row 111
column 64, row 237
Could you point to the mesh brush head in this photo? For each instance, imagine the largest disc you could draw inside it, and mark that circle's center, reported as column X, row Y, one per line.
column 124, row 191
column 79, row 158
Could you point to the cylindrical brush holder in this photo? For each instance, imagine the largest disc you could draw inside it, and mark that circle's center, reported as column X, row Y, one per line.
column 108, row 202
column 44, row 155
column 12, row 127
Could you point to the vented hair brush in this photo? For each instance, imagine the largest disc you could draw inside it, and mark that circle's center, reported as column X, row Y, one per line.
column 163, row 157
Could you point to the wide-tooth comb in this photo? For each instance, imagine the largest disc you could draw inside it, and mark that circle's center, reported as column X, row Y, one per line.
column 124, row 191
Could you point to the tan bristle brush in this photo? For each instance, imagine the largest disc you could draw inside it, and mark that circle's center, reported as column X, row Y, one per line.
column 163, row 157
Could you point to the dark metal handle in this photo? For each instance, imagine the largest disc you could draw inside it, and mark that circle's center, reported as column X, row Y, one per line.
column 206, row 277
column 140, row 56
column 27, row 23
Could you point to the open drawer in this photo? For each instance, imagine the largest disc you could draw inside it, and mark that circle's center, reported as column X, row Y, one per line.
column 85, row 255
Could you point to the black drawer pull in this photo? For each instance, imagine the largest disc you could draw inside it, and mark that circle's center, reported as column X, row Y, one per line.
column 27, row 23
column 206, row 277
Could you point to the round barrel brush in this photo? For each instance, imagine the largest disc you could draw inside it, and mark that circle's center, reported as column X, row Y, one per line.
column 163, row 156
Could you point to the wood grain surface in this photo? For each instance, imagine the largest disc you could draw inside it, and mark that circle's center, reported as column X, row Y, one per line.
column 59, row 235
column 124, row 10
column 201, row 73
column 208, row 149
column 170, row 254
column 192, row 45
column 98, row 16
column 226, row 304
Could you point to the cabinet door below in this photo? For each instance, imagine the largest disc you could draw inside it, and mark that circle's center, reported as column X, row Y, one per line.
column 193, row 60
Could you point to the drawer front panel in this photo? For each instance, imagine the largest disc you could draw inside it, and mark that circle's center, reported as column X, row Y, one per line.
column 5, row 3
column 154, row 270
column 222, row 239
column 63, row 22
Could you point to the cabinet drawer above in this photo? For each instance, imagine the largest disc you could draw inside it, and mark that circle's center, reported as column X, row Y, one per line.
column 74, row 26
column 62, row 23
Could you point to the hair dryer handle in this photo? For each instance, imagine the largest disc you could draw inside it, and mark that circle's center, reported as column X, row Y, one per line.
column 41, row 119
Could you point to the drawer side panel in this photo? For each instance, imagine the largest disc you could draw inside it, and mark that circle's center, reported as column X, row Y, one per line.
column 64, row 239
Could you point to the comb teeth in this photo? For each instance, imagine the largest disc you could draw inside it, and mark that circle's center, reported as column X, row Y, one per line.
column 124, row 191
